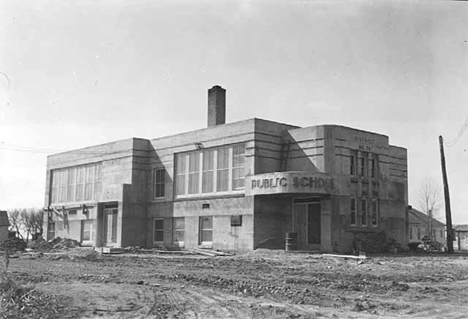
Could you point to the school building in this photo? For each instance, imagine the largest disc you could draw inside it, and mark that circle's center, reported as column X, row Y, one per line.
column 233, row 186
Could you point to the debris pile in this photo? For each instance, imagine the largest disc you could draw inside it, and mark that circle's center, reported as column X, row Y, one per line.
column 17, row 301
column 13, row 244
column 55, row 244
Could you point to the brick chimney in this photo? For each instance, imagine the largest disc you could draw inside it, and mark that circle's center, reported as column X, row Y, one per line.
column 216, row 106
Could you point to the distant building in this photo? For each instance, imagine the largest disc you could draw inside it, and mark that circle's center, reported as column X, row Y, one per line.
column 4, row 225
column 461, row 237
column 421, row 225
column 235, row 186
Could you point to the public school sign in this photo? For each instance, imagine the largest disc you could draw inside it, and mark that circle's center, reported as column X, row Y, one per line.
column 292, row 182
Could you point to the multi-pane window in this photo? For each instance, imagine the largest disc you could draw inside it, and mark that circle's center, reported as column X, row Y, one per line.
column 158, row 235
column 76, row 184
column 86, row 230
column 180, row 174
column 159, row 180
column 238, row 164
column 220, row 169
column 222, row 173
column 206, row 229
column 208, row 172
column 194, row 173
column 353, row 211
column 375, row 213
column 362, row 166
column 352, row 165
column 178, row 226
column 372, row 168
column 363, row 211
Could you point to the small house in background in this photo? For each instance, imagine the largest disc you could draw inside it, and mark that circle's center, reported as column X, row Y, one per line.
column 4, row 224
column 461, row 237
column 421, row 225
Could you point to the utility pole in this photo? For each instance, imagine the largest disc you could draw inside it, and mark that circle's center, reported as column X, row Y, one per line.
column 448, row 214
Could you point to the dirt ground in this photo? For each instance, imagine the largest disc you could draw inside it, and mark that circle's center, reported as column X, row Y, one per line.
column 261, row 284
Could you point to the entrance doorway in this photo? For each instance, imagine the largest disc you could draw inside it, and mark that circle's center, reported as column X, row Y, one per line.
column 307, row 223
column 110, row 226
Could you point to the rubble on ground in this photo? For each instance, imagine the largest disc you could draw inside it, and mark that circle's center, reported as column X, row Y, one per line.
column 55, row 244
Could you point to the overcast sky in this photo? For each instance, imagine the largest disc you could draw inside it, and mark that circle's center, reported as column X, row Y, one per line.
column 80, row 73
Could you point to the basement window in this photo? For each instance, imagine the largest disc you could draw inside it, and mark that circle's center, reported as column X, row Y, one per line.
column 236, row 220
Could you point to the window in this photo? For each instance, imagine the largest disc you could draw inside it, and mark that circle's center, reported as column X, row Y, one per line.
column 375, row 213
column 208, row 172
column 76, row 184
column 159, row 179
column 372, row 168
column 363, row 212
column 80, row 173
column 353, row 211
column 194, row 173
column 71, row 185
column 86, row 230
column 158, row 236
column 220, row 169
column 441, row 234
column 222, row 180
column 236, row 220
column 89, row 182
column 419, row 233
column 352, row 165
column 181, row 171
column 178, row 225
column 362, row 167
column 206, row 230
column 411, row 233
column 238, row 163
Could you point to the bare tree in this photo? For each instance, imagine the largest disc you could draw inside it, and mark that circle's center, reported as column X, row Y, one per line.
column 430, row 200
column 26, row 221
column 14, row 216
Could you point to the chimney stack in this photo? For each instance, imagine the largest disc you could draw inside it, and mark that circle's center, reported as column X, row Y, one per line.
column 216, row 106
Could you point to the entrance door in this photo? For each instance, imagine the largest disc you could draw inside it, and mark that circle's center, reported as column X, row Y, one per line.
column 313, row 223
column 307, row 223
column 110, row 226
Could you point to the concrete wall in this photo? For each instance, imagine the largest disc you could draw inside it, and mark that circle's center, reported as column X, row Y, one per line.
column 225, row 236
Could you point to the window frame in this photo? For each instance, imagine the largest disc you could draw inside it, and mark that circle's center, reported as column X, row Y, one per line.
column 374, row 212
column 352, row 165
column 353, row 211
column 364, row 212
column 75, row 184
column 160, row 230
column 220, row 178
column 202, row 230
column 362, row 166
column 87, row 223
column 159, row 183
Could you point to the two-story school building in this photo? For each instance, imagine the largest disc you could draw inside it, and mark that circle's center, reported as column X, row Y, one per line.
column 235, row 186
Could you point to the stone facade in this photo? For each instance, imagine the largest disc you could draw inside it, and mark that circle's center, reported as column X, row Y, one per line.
column 236, row 186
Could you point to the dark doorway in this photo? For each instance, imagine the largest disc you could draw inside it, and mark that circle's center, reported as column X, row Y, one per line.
column 313, row 223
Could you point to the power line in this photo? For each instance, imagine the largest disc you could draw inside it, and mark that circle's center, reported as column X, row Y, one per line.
column 459, row 135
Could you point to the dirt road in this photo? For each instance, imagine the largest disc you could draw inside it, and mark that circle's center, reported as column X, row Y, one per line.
column 262, row 284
